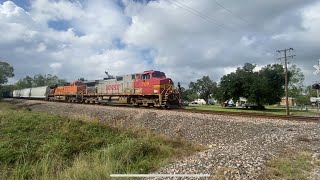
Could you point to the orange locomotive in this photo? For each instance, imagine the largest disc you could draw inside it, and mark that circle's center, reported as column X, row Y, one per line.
column 70, row 93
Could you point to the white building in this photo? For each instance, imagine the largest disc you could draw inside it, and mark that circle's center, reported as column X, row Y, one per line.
column 199, row 101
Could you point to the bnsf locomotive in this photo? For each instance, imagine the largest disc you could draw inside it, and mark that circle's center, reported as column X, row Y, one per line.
column 150, row 88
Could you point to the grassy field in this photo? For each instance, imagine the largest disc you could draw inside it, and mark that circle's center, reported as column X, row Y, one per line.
column 268, row 110
column 41, row 146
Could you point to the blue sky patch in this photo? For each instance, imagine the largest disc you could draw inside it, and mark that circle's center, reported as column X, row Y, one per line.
column 118, row 43
column 59, row 25
column 25, row 4
column 147, row 56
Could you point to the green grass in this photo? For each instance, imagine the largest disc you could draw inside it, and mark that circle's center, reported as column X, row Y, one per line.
column 37, row 145
column 268, row 110
column 292, row 165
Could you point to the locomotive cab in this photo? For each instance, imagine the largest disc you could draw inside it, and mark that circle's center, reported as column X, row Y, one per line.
column 158, row 88
column 153, row 82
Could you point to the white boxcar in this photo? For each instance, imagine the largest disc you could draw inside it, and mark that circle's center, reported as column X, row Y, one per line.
column 16, row 93
column 39, row 92
column 25, row 93
column 119, row 85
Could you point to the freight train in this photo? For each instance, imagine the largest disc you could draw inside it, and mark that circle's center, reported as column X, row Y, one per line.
column 150, row 88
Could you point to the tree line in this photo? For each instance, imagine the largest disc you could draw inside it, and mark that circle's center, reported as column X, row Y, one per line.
column 38, row 80
column 7, row 71
column 263, row 87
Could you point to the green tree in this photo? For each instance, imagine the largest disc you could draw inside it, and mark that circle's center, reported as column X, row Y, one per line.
column 305, row 96
column 309, row 91
column 6, row 71
column 303, row 100
column 218, row 94
column 38, row 80
column 204, row 87
column 238, row 84
column 24, row 83
column 190, row 95
column 296, row 78
column 270, row 84
column 263, row 87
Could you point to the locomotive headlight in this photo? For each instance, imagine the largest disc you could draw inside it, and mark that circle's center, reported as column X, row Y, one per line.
column 155, row 91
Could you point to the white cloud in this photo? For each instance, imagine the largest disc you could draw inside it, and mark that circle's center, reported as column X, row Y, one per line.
column 102, row 36
column 41, row 47
column 55, row 65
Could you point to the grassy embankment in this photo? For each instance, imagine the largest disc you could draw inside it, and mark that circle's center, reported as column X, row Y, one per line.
column 268, row 110
column 42, row 146
column 291, row 165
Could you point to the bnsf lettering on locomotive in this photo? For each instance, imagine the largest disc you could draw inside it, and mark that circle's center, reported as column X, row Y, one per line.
column 113, row 87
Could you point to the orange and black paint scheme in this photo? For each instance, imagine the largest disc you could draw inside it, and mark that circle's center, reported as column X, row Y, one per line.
column 72, row 92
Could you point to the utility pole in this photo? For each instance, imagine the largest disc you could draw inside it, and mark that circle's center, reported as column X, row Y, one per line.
column 318, row 99
column 285, row 57
column 318, row 105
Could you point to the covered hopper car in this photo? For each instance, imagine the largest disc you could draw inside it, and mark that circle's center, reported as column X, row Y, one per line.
column 32, row 93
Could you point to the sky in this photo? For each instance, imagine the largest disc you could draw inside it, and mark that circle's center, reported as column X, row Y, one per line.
column 186, row 39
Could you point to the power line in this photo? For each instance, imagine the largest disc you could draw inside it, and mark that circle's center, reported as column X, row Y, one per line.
column 200, row 14
column 206, row 17
column 231, row 12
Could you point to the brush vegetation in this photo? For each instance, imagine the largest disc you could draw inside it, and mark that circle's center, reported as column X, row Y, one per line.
column 36, row 145
column 291, row 165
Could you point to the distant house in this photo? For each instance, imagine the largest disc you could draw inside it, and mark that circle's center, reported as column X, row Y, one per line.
column 199, row 101
column 292, row 102
column 242, row 101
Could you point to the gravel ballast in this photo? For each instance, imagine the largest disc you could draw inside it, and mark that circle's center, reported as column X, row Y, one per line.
column 238, row 147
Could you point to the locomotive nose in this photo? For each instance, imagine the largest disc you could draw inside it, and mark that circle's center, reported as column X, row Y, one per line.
column 166, row 81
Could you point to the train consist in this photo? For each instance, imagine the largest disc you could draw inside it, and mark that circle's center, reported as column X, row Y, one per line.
column 150, row 88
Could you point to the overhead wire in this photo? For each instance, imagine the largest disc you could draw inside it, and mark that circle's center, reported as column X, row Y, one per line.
column 200, row 14
column 233, row 14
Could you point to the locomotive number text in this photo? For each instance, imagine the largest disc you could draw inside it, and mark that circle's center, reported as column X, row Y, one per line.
column 113, row 87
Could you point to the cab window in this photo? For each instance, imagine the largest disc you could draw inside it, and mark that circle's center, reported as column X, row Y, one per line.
column 145, row 76
column 78, row 83
column 158, row 75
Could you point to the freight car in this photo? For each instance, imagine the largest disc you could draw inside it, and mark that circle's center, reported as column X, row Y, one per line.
column 150, row 88
column 16, row 93
column 7, row 94
column 32, row 93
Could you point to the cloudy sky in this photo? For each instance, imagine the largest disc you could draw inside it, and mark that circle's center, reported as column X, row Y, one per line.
column 184, row 38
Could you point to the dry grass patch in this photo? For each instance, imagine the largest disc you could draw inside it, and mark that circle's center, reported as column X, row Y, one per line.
column 290, row 165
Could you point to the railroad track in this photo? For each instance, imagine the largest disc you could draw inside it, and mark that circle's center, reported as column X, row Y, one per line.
column 241, row 114
column 255, row 115
column 214, row 112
